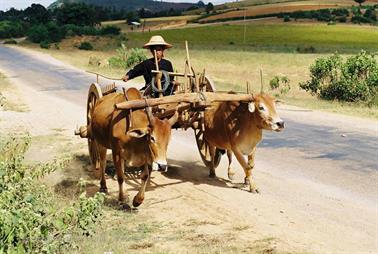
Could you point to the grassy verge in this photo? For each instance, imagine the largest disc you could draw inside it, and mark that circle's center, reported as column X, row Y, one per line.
column 10, row 100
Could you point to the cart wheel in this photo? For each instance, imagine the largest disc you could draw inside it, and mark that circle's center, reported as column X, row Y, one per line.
column 203, row 146
column 94, row 94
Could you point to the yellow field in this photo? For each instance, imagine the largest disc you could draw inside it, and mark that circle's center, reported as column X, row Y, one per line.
column 251, row 9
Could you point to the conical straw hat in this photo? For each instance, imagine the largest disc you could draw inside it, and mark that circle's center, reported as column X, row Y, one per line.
column 157, row 40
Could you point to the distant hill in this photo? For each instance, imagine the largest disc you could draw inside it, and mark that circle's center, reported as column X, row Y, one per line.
column 131, row 5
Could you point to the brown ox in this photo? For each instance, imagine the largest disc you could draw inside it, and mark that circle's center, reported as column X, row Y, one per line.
column 237, row 128
column 137, row 139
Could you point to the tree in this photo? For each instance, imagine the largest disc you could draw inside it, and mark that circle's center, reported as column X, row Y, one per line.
column 77, row 14
column 201, row 4
column 359, row 1
column 37, row 14
column 209, row 7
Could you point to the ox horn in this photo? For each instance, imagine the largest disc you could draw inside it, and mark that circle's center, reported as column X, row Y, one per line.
column 150, row 116
column 174, row 118
column 261, row 80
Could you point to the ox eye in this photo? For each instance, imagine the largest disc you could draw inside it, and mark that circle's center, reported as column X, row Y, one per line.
column 261, row 108
column 153, row 139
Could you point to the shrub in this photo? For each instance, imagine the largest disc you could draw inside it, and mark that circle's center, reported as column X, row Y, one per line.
column 305, row 49
column 127, row 58
column 86, row 46
column 38, row 33
column 280, row 83
column 44, row 44
column 29, row 220
column 110, row 30
column 286, row 18
column 10, row 29
column 356, row 79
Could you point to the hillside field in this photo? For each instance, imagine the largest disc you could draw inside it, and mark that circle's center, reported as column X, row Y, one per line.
column 270, row 37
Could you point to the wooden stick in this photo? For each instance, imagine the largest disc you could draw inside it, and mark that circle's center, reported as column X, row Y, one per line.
column 97, row 74
column 158, row 75
column 187, row 57
column 175, row 74
column 206, row 98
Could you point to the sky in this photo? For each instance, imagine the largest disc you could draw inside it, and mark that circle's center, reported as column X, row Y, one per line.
column 22, row 4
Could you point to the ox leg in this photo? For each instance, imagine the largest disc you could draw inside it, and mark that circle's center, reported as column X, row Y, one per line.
column 119, row 166
column 247, row 168
column 102, row 154
column 230, row 172
column 212, row 157
column 138, row 199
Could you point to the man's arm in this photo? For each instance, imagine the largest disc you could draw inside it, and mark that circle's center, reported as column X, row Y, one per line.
column 135, row 72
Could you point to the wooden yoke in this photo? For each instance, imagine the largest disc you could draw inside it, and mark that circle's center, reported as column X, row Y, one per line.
column 206, row 98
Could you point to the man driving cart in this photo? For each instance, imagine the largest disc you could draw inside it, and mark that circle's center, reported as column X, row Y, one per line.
column 156, row 45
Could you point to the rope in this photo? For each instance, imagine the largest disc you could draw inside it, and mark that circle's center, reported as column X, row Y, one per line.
column 104, row 76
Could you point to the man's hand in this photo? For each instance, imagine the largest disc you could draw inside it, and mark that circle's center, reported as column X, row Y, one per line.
column 125, row 78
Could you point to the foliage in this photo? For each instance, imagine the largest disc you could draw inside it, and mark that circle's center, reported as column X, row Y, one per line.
column 36, row 14
column 38, row 33
column 280, row 83
column 356, row 79
column 49, row 32
column 86, row 46
column 127, row 58
column 209, row 7
column 286, row 18
column 10, row 29
column 44, row 44
column 29, row 222
column 110, row 30
column 77, row 14
column 360, row 1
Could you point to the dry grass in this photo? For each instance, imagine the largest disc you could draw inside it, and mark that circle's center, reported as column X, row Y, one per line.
column 10, row 98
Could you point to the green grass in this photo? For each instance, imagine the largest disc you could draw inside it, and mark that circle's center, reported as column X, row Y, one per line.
column 270, row 37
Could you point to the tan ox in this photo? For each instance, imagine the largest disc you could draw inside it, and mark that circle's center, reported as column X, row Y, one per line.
column 237, row 128
column 136, row 140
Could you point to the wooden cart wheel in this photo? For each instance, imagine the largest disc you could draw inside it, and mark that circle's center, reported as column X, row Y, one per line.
column 94, row 94
column 202, row 145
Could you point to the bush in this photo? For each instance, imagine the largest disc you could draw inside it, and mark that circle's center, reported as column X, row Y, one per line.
column 127, row 58
column 38, row 33
column 286, row 18
column 110, row 30
column 280, row 83
column 29, row 220
column 86, row 46
column 10, row 29
column 44, row 44
column 305, row 49
column 356, row 79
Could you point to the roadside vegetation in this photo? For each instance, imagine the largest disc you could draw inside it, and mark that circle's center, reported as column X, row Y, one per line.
column 9, row 97
column 31, row 218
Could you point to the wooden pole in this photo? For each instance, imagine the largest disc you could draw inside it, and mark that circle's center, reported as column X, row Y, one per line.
column 158, row 75
column 261, row 80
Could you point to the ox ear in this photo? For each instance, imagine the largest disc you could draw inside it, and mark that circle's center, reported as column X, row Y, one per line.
column 251, row 107
column 138, row 133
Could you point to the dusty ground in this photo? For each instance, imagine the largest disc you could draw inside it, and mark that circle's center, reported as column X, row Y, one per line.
column 307, row 205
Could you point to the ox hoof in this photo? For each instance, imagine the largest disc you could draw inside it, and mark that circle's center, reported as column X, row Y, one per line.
column 256, row 191
column 104, row 190
column 231, row 176
column 212, row 174
column 137, row 201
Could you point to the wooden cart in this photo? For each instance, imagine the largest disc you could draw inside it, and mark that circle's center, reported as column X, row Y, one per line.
column 191, row 98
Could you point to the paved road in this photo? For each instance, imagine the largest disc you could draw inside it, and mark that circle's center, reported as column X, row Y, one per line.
column 335, row 155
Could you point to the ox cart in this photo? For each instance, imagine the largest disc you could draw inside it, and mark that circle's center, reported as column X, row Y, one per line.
column 192, row 96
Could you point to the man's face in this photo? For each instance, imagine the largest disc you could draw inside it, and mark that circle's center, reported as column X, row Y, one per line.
column 159, row 51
